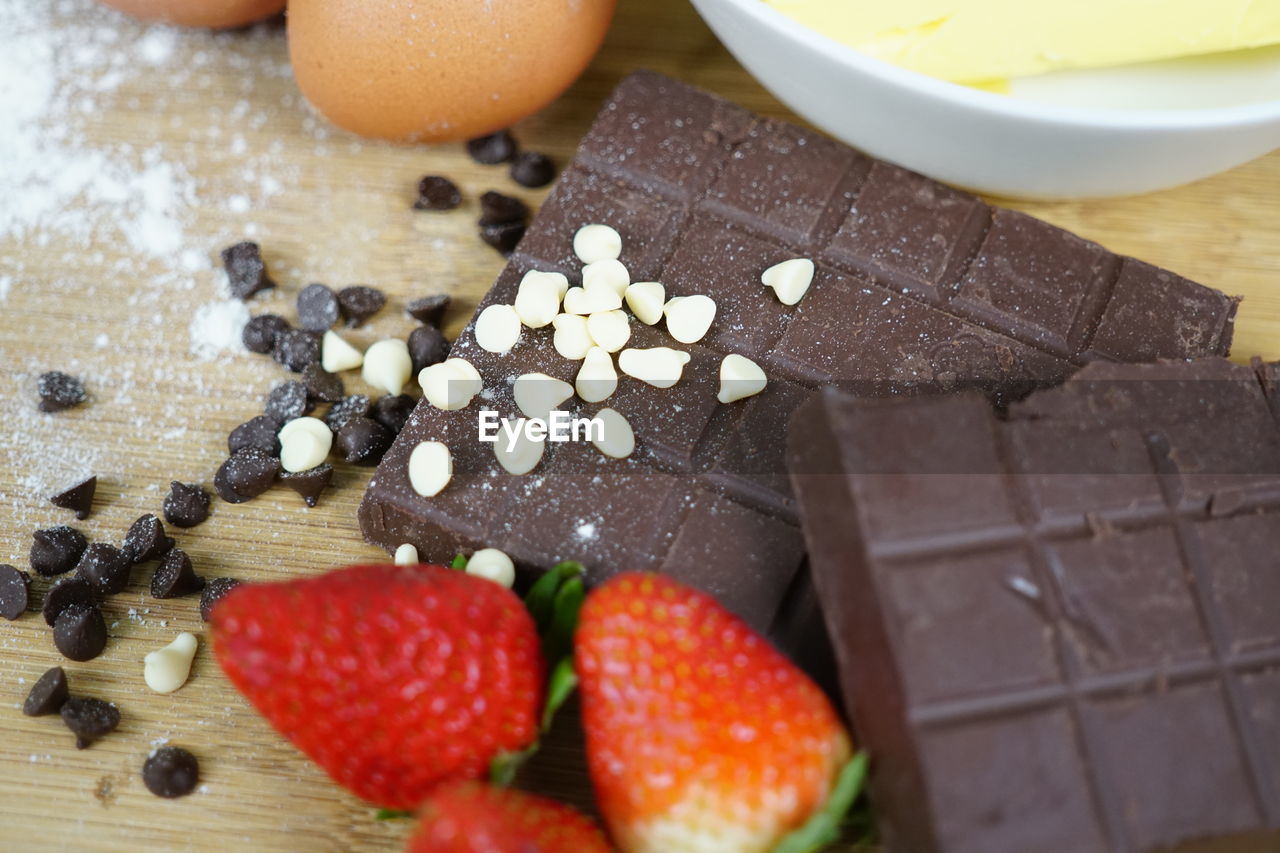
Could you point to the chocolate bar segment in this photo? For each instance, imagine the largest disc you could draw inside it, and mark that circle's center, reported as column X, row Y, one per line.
column 919, row 288
column 1056, row 629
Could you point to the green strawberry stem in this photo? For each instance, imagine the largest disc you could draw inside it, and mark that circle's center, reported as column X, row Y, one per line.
column 824, row 826
column 459, row 563
column 391, row 814
column 553, row 601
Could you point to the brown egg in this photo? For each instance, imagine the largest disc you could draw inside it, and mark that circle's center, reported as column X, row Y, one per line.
column 199, row 13
column 435, row 70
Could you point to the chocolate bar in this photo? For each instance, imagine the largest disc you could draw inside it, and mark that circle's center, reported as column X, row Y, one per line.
column 1059, row 629
column 918, row 288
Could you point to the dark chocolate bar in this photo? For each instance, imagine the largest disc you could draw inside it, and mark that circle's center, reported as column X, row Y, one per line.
column 919, row 288
column 1059, row 629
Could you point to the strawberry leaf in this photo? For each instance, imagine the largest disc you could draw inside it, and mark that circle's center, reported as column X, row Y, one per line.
column 391, row 814
column 560, row 687
column 459, row 562
column 553, row 601
column 823, row 827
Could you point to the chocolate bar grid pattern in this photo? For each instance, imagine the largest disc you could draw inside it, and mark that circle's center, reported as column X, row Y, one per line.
column 1225, row 670
column 695, row 206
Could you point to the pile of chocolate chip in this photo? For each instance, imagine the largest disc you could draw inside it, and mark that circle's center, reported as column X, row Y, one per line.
column 363, row 429
column 503, row 218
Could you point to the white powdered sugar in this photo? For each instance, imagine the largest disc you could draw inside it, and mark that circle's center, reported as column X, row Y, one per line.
column 216, row 328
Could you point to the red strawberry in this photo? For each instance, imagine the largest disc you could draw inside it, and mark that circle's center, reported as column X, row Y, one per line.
column 392, row 678
column 474, row 818
column 700, row 735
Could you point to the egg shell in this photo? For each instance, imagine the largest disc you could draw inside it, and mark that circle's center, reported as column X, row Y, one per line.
column 439, row 70
column 214, row 14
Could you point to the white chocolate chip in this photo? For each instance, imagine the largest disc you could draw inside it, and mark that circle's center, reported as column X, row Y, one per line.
column 739, row 377
column 597, row 378
column 689, row 317
column 596, row 243
column 521, row 454
column 387, row 365
column 661, row 367
column 538, row 298
column 497, row 328
column 167, row 669
column 430, row 468
column 336, row 355
column 578, row 300
column 789, row 279
column 571, row 340
column 304, row 444
column 492, row 564
column 619, row 440
column 451, row 384
column 406, row 555
column 607, row 274
column 645, row 299
column 538, row 394
column 609, row 329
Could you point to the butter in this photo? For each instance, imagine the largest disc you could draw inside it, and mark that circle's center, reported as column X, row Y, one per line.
column 980, row 41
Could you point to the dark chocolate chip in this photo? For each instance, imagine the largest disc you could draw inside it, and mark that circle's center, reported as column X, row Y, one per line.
column 186, row 505
column 429, row 309
column 393, row 411
column 260, row 333
column 65, row 593
column 78, row 498
column 296, row 348
column 492, row 149
column 499, row 209
column 247, row 474
column 322, row 385
column 359, row 303
column 354, row 406
column 89, row 719
column 59, row 391
column 504, row 238
column 171, row 772
column 55, row 550
column 436, row 192
column 309, row 483
column 260, row 433
column 532, row 169
column 15, row 591
column 80, row 633
column 146, row 540
column 174, row 576
column 317, row 308
column 246, row 272
column 363, row 441
column 48, row 694
column 106, row 567
column 287, row 401
column 427, row 346
column 214, row 591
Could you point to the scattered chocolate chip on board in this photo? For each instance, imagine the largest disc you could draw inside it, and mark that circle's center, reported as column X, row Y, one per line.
column 77, row 498
column 89, row 719
column 146, row 539
column 48, row 694
column 15, row 592
column 59, row 391
column 186, row 505
column 56, row 550
column 246, row 271
column 916, row 289
column 436, row 192
column 171, row 771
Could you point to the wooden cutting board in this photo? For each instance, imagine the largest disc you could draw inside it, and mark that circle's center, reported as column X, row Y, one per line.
column 182, row 144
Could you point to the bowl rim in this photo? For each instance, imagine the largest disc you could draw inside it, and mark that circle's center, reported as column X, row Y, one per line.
column 995, row 105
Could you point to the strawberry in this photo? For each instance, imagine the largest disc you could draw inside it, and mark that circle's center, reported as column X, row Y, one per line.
column 391, row 678
column 700, row 735
column 474, row 818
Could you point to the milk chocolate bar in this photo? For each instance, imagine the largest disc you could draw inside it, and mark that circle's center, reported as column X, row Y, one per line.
column 1057, row 630
column 919, row 288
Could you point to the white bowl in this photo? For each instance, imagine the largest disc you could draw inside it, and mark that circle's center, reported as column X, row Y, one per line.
column 1067, row 135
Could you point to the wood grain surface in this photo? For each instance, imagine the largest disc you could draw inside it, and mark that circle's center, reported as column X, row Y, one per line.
column 326, row 207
